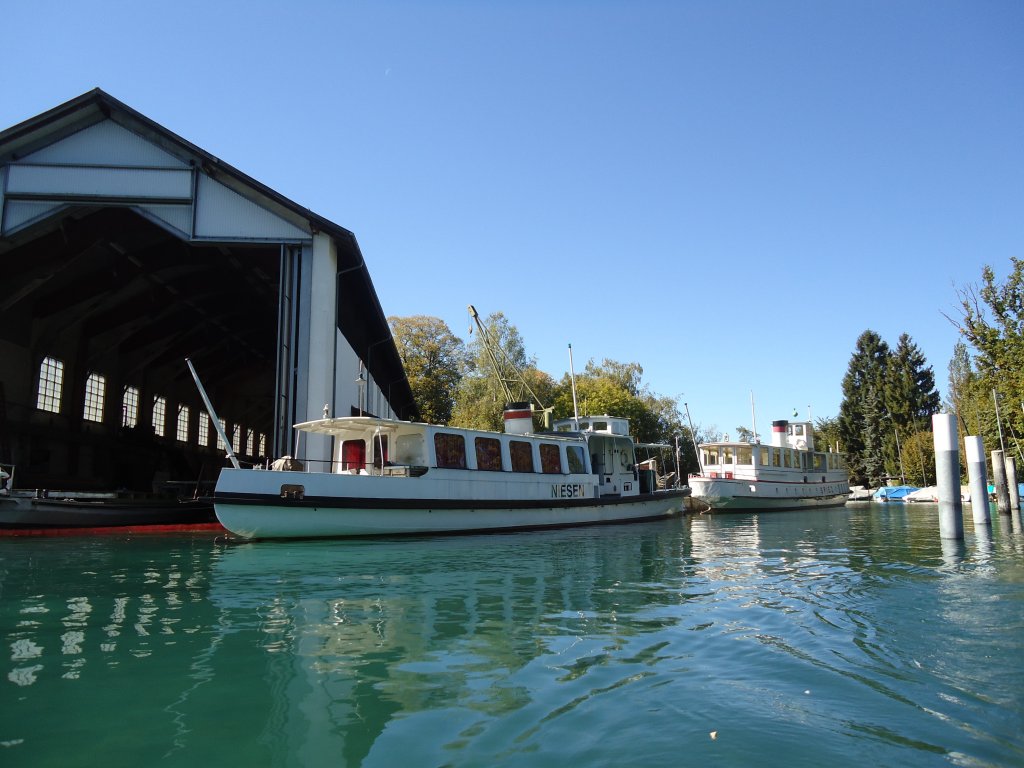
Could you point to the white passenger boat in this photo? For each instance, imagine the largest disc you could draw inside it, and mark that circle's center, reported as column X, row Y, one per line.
column 788, row 474
column 391, row 477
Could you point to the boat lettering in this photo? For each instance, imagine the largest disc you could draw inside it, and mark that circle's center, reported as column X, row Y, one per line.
column 568, row 491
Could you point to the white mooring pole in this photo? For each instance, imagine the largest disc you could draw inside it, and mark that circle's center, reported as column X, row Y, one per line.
column 978, row 478
column 947, row 474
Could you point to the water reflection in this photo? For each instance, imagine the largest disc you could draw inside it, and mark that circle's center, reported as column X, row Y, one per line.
column 853, row 631
column 370, row 634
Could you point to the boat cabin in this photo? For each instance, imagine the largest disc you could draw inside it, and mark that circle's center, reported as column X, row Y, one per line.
column 791, row 453
column 365, row 445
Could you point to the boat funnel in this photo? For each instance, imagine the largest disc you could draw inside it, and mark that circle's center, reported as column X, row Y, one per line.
column 518, row 419
column 779, row 429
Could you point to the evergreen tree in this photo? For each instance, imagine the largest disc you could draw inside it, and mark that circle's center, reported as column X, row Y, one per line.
column 859, row 419
column 872, row 458
column 910, row 398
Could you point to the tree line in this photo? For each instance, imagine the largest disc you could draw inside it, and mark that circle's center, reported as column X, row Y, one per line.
column 458, row 383
column 884, row 420
column 889, row 395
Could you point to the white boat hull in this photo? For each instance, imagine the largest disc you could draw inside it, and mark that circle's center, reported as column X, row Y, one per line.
column 740, row 494
column 250, row 504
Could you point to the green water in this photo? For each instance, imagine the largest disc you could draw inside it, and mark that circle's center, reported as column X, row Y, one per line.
column 849, row 637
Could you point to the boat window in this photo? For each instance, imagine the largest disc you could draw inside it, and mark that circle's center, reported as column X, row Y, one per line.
column 95, row 390
column 450, row 450
column 744, row 456
column 409, row 450
column 600, row 426
column 787, row 458
column 353, row 455
column 711, row 456
column 182, row 431
column 727, row 455
column 521, row 454
column 776, row 461
column 550, row 460
column 626, row 457
column 819, row 461
column 577, row 460
column 584, row 425
column 798, row 430
column 764, row 457
column 51, row 382
column 380, row 450
column 488, row 453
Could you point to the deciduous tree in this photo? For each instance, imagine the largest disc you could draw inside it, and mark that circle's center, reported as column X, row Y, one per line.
column 434, row 359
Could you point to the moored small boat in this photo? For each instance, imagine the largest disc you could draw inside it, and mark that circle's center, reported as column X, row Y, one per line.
column 390, row 477
column 25, row 510
column 788, row 474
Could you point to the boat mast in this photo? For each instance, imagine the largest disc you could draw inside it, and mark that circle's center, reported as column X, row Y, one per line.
column 753, row 417
column 693, row 436
column 572, row 378
column 899, row 452
column 999, row 423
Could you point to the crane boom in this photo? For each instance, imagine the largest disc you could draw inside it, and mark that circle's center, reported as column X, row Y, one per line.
column 496, row 355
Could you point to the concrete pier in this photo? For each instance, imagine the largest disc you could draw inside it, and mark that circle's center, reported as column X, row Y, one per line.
column 977, row 475
column 999, row 481
column 947, row 473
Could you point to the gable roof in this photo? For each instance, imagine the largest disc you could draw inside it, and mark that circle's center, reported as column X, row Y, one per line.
column 361, row 318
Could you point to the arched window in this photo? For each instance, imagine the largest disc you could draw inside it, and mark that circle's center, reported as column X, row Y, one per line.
column 95, row 390
column 51, row 382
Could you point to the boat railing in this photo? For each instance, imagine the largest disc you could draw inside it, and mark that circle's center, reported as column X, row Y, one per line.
column 333, row 466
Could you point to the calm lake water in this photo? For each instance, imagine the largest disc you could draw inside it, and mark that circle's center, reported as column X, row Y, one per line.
column 849, row 637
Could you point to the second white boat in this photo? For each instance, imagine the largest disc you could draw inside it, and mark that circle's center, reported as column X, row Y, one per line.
column 788, row 474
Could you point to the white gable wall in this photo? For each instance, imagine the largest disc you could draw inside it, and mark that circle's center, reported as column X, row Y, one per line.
column 109, row 164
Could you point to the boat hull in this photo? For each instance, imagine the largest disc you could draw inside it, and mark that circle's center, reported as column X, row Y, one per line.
column 28, row 512
column 329, row 507
column 722, row 494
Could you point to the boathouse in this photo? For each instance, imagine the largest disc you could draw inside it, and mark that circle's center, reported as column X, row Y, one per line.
column 124, row 251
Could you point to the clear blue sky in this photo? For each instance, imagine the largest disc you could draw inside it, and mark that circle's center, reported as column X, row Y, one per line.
column 727, row 193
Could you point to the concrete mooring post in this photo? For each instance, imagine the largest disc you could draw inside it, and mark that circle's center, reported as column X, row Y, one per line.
column 999, row 481
column 977, row 476
column 947, row 473
column 1011, row 483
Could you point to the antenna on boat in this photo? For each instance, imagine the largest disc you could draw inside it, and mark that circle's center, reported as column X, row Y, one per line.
column 213, row 417
column 572, row 378
column 753, row 417
column 693, row 436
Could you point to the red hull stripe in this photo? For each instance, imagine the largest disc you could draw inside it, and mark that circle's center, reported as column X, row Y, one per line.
column 108, row 529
